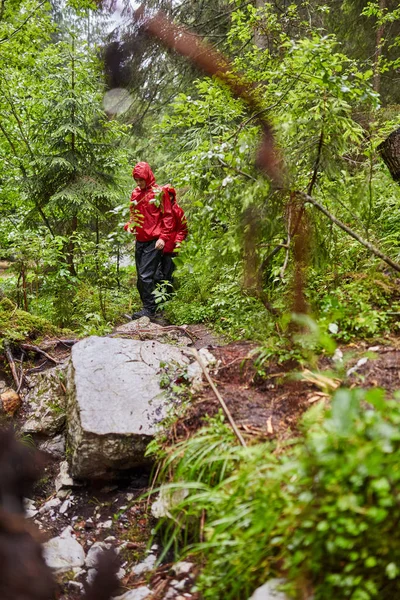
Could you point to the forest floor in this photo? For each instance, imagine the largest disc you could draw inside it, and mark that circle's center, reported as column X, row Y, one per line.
column 263, row 407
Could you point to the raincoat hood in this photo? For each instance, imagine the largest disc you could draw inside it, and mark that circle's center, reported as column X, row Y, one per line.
column 171, row 191
column 143, row 171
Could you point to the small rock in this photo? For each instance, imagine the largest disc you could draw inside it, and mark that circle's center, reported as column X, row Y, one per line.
column 139, row 593
column 55, row 447
column 50, row 504
column 373, row 349
column 269, row 591
column 63, row 479
column 106, row 524
column 91, row 574
column 94, row 552
column 75, row 585
column 360, row 363
column 180, row 585
column 11, row 402
column 30, row 508
column 121, row 573
column 145, row 566
column 182, row 568
column 110, row 538
column 65, row 506
column 64, row 552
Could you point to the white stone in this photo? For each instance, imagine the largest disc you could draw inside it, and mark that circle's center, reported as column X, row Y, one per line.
column 64, row 479
column 55, row 446
column 64, row 552
column 145, row 566
column 94, row 553
column 106, row 524
column 139, row 593
column 50, row 504
column 269, row 591
column 182, row 568
column 65, row 506
column 114, row 402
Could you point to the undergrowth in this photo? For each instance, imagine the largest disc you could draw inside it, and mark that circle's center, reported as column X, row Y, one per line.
column 321, row 510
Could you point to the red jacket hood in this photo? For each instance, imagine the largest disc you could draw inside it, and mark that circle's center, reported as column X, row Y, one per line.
column 143, row 171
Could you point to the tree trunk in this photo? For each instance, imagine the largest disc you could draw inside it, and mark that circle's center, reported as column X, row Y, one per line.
column 390, row 152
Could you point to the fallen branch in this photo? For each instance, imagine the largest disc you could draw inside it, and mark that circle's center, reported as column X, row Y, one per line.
column 352, row 233
column 31, row 348
column 10, row 359
column 219, row 398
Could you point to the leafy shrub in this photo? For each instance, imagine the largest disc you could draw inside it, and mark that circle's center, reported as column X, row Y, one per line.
column 323, row 513
column 342, row 519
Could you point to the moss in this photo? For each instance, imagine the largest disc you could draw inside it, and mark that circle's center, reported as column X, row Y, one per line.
column 17, row 325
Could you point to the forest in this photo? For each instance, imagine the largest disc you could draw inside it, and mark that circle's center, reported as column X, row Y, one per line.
column 282, row 142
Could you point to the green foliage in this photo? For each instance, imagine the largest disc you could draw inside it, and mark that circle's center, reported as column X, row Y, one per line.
column 323, row 512
column 17, row 325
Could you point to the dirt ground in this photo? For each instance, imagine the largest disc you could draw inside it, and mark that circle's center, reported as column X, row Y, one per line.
column 271, row 406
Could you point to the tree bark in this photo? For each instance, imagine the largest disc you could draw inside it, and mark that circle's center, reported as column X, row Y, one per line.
column 390, row 152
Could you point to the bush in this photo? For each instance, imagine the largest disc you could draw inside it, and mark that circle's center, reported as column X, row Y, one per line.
column 323, row 513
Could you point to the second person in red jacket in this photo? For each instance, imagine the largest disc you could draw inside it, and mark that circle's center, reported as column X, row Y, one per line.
column 179, row 233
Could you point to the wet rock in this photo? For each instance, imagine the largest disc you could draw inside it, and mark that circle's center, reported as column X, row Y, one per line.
column 30, row 508
column 55, row 447
column 147, row 565
column 64, row 480
column 50, row 505
column 269, row 591
column 64, row 552
column 114, row 403
column 182, row 568
column 139, row 593
column 46, row 403
column 94, row 553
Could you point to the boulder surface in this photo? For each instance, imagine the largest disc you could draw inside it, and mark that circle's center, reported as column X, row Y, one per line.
column 114, row 403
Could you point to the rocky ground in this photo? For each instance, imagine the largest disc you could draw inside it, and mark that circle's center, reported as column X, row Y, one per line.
column 79, row 520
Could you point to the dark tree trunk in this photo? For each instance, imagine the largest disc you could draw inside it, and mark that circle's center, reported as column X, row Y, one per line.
column 390, row 152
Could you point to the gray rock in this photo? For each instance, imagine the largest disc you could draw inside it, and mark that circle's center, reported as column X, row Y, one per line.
column 147, row 565
column 64, row 480
column 64, row 552
column 30, row 508
column 182, row 568
column 94, row 553
column 45, row 403
column 49, row 505
column 55, row 447
column 139, row 593
column 114, row 402
column 269, row 591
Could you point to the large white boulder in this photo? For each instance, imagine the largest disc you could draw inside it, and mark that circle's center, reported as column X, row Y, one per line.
column 114, row 402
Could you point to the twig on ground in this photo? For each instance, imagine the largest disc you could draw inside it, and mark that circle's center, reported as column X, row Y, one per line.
column 219, row 398
column 10, row 359
column 31, row 348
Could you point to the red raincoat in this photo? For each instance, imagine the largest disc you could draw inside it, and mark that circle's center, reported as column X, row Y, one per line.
column 180, row 229
column 147, row 220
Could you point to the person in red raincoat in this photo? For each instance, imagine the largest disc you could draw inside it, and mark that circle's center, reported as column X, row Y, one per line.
column 152, row 223
column 179, row 233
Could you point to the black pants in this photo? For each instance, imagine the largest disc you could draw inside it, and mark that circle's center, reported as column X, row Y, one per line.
column 147, row 259
column 166, row 269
